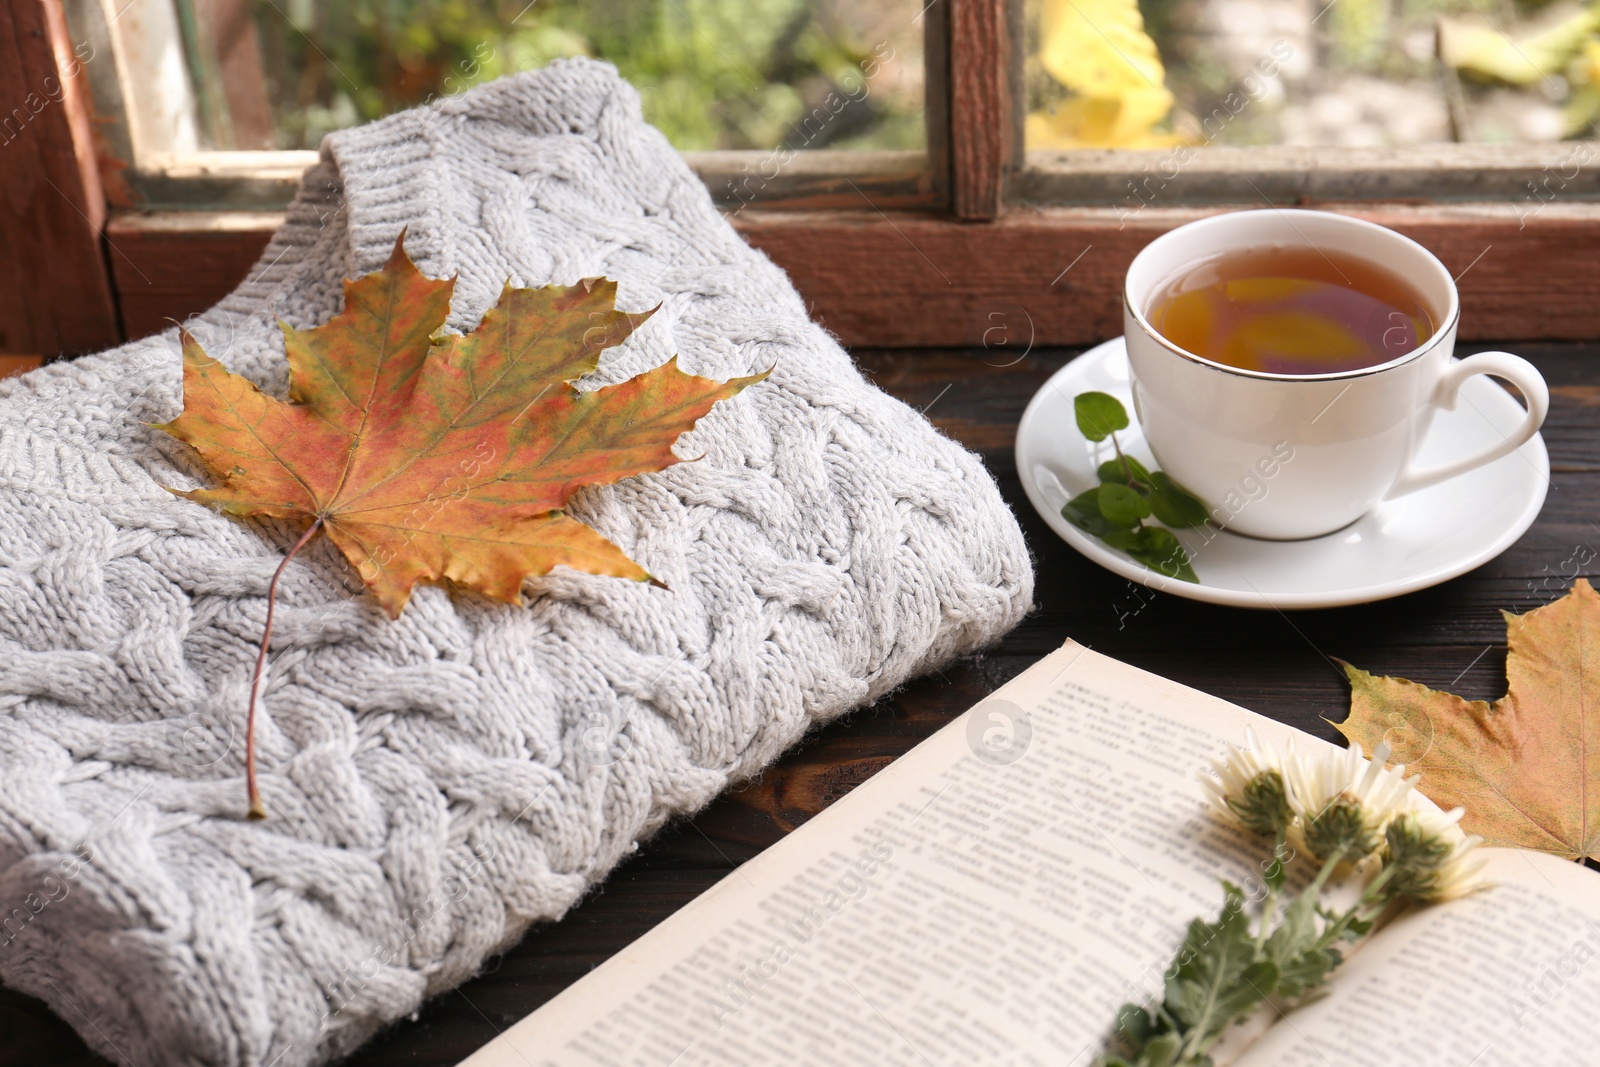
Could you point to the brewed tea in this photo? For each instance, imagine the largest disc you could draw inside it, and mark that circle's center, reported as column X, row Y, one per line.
column 1292, row 310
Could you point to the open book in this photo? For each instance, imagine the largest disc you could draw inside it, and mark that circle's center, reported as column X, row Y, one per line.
column 997, row 893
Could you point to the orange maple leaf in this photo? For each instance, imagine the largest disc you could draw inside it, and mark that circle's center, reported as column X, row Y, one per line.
column 427, row 458
column 1521, row 767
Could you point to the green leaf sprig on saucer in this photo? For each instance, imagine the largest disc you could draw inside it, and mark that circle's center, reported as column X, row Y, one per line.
column 1115, row 510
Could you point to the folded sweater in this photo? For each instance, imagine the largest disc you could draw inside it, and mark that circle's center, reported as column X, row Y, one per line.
column 439, row 782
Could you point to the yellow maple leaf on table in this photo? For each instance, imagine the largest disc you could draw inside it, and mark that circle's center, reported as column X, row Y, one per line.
column 1521, row 767
column 1099, row 49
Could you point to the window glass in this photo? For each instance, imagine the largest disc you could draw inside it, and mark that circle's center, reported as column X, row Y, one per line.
column 713, row 74
column 1152, row 73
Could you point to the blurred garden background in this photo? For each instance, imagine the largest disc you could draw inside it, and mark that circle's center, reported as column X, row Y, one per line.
column 713, row 74
column 749, row 74
column 1121, row 73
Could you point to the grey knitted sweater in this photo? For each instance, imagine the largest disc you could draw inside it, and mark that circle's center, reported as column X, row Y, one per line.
column 439, row 782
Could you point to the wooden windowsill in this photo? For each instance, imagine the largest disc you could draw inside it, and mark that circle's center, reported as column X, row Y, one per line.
column 1035, row 276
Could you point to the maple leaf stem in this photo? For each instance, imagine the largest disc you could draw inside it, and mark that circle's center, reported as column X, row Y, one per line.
column 258, row 810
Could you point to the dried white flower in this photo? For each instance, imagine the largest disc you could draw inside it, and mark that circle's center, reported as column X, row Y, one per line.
column 1248, row 786
column 1344, row 801
column 1431, row 857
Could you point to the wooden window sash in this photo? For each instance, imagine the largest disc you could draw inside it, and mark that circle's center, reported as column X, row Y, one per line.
column 985, row 104
column 812, row 178
column 974, row 163
column 55, row 289
column 1527, row 175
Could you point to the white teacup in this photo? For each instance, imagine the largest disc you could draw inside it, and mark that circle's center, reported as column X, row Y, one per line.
column 1326, row 448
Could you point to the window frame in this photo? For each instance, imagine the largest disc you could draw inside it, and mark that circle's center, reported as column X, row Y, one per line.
column 1033, row 243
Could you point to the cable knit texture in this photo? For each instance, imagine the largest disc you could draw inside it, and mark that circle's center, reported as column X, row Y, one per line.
column 439, row 782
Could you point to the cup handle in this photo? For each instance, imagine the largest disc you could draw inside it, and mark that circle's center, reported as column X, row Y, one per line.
column 1514, row 369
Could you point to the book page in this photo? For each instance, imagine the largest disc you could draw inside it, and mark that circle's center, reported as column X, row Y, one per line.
column 992, row 896
column 1509, row 976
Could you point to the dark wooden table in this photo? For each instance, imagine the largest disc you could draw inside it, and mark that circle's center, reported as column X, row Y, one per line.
column 1451, row 636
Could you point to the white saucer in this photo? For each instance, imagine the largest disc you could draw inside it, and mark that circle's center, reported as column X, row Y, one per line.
column 1402, row 546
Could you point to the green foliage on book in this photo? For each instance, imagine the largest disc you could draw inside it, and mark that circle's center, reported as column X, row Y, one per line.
column 1225, row 970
